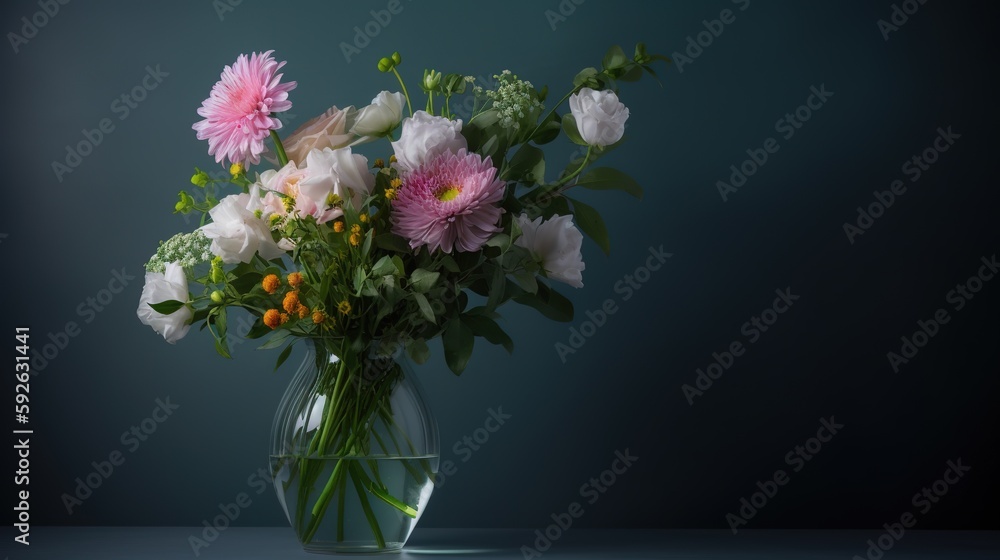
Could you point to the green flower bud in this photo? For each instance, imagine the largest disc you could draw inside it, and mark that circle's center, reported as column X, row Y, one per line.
column 200, row 178
column 217, row 275
column 432, row 80
column 218, row 296
column 396, row 58
column 184, row 204
column 385, row 65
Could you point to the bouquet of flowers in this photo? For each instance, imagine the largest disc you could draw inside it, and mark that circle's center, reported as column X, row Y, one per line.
column 351, row 254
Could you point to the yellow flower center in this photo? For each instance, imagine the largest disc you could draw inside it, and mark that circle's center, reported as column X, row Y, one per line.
column 448, row 192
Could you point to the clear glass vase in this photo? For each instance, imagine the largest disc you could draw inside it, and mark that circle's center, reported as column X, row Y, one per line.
column 354, row 449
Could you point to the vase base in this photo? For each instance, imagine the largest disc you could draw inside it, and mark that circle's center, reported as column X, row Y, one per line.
column 348, row 548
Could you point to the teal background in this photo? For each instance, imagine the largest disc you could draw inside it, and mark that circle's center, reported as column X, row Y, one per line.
column 623, row 388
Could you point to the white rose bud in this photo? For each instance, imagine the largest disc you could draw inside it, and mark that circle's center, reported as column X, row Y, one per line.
column 600, row 117
column 556, row 244
column 171, row 284
column 379, row 118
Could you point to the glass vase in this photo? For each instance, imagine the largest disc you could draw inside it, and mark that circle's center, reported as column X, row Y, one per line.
column 354, row 449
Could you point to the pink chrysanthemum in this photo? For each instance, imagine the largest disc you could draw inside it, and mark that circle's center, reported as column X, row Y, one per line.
column 238, row 111
column 449, row 202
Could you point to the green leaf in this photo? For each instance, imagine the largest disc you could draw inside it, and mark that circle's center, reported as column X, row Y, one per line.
column 458, row 341
column 392, row 242
column 525, row 280
column 384, row 266
column 167, row 307
column 569, row 127
column 489, row 147
column 449, row 264
column 283, row 356
column 607, row 178
column 497, row 281
column 359, row 279
column 222, row 348
column 423, row 280
column 275, row 341
column 590, row 222
column 489, row 329
column 220, row 321
column 527, row 165
column 425, row 307
column 548, row 130
column 366, row 247
column 247, row 282
column 500, row 241
column 586, row 77
column 324, row 287
column 548, row 302
column 615, row 58
column 418, row 350
column 398, row 263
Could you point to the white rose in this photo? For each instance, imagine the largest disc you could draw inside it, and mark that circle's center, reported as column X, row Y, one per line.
column 171, row 284
column 425, row 136
column 336, row 173
column 379, row 118
column 556, row 243
column 237, row 232
column 599, row 116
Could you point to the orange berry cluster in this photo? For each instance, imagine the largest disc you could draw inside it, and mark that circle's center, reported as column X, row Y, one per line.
column 291, row 304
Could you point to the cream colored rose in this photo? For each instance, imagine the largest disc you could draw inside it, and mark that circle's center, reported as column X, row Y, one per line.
column 328, row 130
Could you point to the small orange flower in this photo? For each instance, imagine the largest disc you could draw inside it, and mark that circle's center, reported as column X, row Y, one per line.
column 396, row 183
column 363, row 217
column 338, row 226
column 344, row 307
column 379, row 163
column 356, row 228
column 355, row 239
column 272, row 318
column 295, row 279
column 318, row 316
column 303, row 311
column 271, row 283
column 284, row 318
column 291, row 302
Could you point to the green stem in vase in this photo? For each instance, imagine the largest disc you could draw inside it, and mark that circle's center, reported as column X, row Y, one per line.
column 356, row 474
column 341, row 491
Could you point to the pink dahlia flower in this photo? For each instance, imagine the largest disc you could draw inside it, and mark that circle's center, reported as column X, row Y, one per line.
column 450, row 202
column 238, row 111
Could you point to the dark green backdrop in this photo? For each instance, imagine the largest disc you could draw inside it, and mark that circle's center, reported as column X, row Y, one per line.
column 826, row 355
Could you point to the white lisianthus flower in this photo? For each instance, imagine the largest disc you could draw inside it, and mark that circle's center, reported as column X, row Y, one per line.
column 600, row 117
column 379, row 118
column 334, row 178
column 556, row 244
column 425, row 136
column 238, row 231
column 171, row 284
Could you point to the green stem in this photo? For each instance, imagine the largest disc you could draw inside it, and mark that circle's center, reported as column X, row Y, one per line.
column 341, row 490
column 568, row 178
column 553, row 110
column 282, row 158
column 405, row 93
column 376, row 530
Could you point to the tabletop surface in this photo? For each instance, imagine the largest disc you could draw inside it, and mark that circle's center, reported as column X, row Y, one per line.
column 251, row 543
